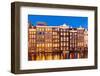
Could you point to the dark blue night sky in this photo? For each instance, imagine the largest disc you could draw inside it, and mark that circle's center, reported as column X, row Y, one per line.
column 72, row 21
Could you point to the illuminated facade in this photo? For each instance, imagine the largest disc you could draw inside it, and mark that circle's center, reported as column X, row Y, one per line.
column 64, row 41
column 56, row 42
column 73, row 43
column 31, row 42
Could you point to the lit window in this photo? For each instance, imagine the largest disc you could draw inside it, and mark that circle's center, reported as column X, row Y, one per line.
column 43, row 29
column 55, row 36
column 53, row 33
column 50, row 44
column 70, row 33
column 61, row 33
column 75, row 33
column 61, row 44
column 46, row 29
column 37, row 45
column 37, row 29
column 42, row 45
column 64, row 44
column 40, row 29
column 67, row 33
column 34, row 32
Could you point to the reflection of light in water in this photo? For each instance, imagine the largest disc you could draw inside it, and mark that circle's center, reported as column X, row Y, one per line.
column 78, row 55
column 37, row 57
column 32, row 57
column 61, row 56
column 71, row 55
column 49, row 57
column 56, row 57
column 43, row 57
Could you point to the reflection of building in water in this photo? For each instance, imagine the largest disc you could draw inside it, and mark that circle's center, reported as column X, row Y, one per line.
column 56, row 42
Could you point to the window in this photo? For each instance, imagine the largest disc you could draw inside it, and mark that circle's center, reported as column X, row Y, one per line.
column 61, row 33
column 67, row 43
column 67, row 48
column 54, row 33
column 42, row 29
column 67, row 39
column 75, row 33
column 61, row 38
column 48, row 44
column 46, row 29
column 64, row 33
column 64, row 38
column 64, row 44
column 62, row 30
column 42, row 37
column 37, row 29
column 42, row 45
column 70, row 37
column 67, row 33
column 70, row 33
